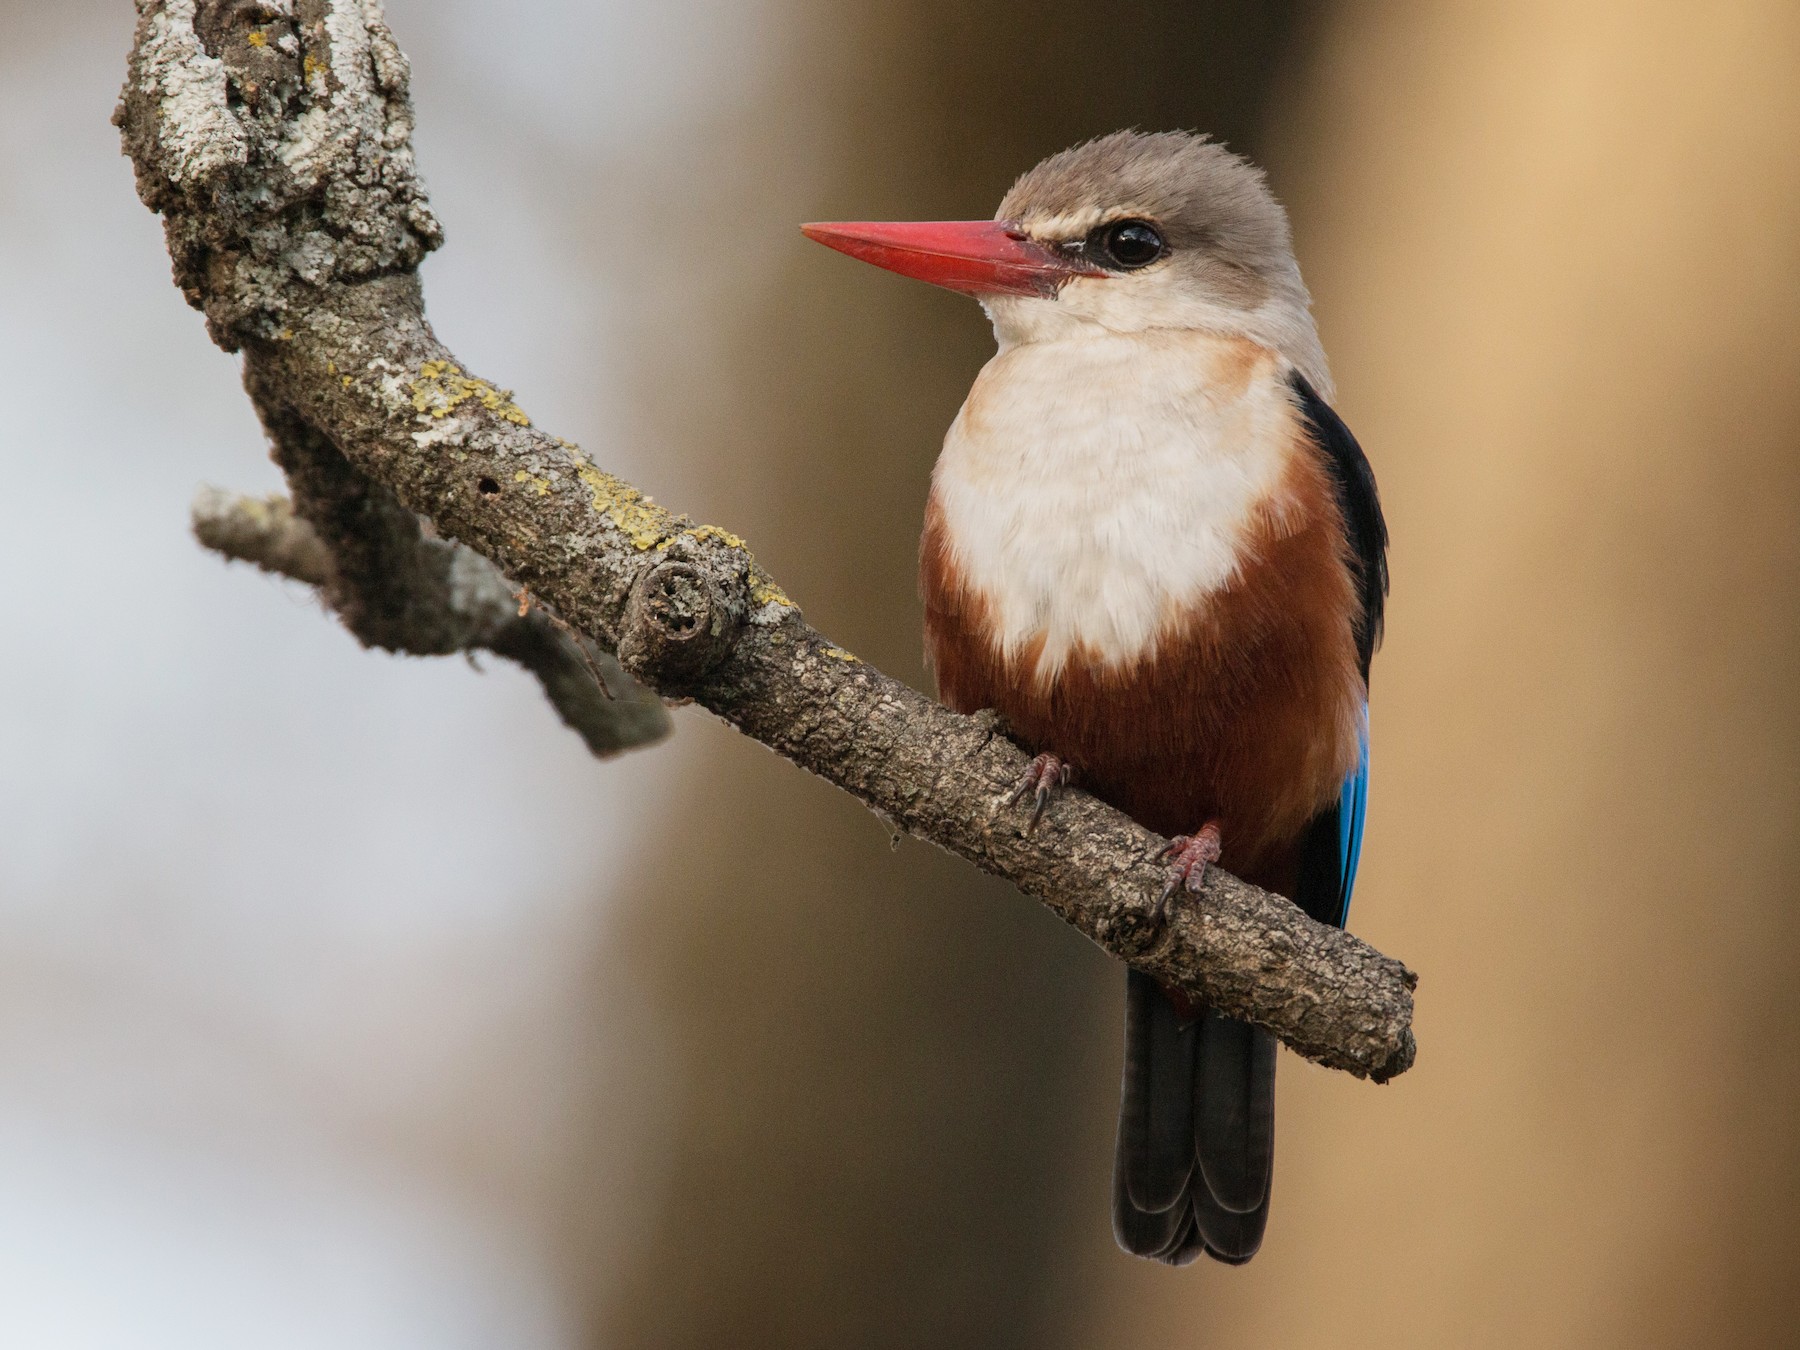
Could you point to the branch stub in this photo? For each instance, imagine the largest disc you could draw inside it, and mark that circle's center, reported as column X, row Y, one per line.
column 680, row 623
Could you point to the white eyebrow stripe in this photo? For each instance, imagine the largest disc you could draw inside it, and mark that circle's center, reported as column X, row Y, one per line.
column 1078, row 224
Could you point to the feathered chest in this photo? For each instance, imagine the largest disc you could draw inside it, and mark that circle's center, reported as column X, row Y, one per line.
column 1093, row 492
column 1135, row 552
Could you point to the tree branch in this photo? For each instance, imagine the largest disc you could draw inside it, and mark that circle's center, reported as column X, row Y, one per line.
column 274, row 138
column 264, row 531
column 470, row 608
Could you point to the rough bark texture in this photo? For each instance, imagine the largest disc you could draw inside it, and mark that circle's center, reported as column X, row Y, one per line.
column 274, row 139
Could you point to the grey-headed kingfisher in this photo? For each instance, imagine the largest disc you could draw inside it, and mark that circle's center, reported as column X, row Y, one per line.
column 1153, row 548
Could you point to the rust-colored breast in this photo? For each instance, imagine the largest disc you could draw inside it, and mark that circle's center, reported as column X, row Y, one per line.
column 1246, row 709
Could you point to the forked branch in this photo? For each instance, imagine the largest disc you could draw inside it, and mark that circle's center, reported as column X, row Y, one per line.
column 275, row 140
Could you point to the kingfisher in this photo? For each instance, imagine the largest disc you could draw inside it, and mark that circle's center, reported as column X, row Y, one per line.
column 1156, row 552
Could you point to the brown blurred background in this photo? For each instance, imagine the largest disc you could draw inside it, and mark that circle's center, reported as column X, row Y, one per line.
column 1555, row 254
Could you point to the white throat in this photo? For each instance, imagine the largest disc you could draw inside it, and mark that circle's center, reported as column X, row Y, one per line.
column 1096, row 488
column 1091, row 307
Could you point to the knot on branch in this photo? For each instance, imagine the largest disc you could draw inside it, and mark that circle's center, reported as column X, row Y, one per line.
column 680, row 622
column 275, row 137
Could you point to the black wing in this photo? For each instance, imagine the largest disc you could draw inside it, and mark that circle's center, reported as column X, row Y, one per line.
column 1361, row 506
column 1333, row 841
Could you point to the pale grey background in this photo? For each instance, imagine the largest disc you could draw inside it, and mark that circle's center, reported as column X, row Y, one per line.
column 293, row 938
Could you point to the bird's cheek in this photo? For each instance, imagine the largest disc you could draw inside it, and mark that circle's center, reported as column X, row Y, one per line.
column 1096, row 300
column 1019, row 319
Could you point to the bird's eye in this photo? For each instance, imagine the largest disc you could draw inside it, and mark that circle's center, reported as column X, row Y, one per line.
column 1130, row 244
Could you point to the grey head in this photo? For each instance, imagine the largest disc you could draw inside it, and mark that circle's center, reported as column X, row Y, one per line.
column 1178, row 231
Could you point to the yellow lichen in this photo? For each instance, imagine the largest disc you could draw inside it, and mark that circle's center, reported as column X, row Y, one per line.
column 542, row 484
column 649, row 526
column 312, row 66
column 766, row 592
column 726, row 537
column 638, row 518
column 442, row 388
column 839, row 654
column 258, row 38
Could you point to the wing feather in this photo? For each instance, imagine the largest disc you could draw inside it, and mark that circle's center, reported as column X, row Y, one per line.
column 1333, row 842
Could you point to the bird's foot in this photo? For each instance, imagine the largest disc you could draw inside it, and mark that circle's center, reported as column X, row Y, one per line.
column 1189, row 855
column 1042, row 777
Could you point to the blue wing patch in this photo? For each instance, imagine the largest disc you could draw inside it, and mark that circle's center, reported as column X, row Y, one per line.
column 1333, row 843
column 1353, row 801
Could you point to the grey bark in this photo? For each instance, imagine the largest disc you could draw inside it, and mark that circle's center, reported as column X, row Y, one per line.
column 274, row 139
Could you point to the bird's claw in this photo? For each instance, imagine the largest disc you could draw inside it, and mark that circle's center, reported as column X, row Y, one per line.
column 1192, row 854
column 1042, row 777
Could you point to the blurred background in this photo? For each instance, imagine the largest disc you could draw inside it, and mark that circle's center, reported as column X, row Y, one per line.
column 310, row 1034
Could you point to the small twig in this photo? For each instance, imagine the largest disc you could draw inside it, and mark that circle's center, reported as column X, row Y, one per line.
column 265, row 531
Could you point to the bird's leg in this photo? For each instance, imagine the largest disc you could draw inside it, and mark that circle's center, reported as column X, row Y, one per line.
column 1042, row 776
column 1191, row 855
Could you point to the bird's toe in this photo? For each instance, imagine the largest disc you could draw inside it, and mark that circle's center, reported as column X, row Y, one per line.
column 1041, row 778
column 1189, row 855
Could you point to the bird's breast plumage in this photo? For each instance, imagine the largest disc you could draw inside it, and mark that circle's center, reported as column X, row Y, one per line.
column 1134, row 554
column 1094, row 489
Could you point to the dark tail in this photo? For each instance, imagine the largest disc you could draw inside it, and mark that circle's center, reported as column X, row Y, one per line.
column 1196, row 1132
